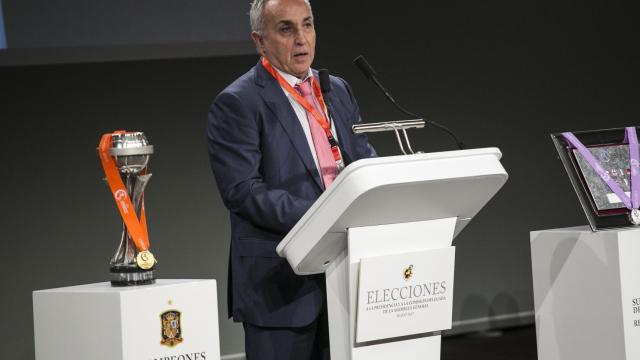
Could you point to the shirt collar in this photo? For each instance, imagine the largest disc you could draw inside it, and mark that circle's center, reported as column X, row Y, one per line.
column 293, row 80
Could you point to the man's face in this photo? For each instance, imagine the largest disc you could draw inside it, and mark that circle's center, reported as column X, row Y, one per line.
column 288, row 38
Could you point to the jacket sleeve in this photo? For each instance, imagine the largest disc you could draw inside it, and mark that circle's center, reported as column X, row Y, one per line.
column 233, row 137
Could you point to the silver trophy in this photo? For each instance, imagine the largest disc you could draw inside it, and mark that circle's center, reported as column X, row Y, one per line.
column 131, row 152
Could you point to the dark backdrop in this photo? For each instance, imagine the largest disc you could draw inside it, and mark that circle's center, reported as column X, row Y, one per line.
column 500, row 73
column 66, row 31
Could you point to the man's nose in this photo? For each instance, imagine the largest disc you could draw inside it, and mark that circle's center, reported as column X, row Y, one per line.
column 301, row 37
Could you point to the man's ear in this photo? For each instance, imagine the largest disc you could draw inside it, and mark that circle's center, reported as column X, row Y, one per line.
column 259, row 41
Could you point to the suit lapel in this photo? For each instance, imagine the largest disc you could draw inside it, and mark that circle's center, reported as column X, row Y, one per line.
column 278, row 103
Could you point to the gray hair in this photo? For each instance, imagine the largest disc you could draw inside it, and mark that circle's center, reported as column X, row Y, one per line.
column 256, row 14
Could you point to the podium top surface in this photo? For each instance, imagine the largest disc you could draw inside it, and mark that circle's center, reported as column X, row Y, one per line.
column 579, row 228
column 391, row 190
column 105, row 287
column 587, row 229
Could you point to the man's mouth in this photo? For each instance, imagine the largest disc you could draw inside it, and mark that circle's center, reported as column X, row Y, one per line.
column 300, row 54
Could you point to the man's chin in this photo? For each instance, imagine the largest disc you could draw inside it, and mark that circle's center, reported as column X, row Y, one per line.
column 302, row 66
column 301, row 72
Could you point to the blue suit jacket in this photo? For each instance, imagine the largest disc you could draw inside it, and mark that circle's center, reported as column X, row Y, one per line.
column 268, row 179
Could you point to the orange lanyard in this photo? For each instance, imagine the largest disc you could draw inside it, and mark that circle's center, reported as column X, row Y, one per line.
column 137, row 228
column 320, row 118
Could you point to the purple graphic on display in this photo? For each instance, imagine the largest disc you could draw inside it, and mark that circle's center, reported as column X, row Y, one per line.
column 633, row 165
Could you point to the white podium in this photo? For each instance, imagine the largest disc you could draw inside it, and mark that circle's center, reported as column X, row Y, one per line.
column 171, row 319
column 382, row 234
column 587, row 293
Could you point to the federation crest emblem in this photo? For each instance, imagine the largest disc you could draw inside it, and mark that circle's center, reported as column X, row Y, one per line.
column 171, row 330
column 408, row 273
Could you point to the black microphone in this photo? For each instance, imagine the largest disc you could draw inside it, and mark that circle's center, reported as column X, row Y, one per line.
column 325, row 84
column 370, row 74
column 364, row 66
column 325, row 87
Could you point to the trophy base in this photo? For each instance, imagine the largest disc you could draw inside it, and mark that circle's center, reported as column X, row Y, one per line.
column 131, row 276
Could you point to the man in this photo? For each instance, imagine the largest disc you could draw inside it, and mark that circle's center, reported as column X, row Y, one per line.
column 273, row 151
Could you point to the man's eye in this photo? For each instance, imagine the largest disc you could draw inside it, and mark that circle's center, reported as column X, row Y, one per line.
column 285, row 29
column 308, row 25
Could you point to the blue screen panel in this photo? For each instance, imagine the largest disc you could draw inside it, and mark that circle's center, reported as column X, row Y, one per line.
column 3, row 38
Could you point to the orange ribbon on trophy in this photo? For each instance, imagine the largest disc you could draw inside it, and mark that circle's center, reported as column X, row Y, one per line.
column 137, row 228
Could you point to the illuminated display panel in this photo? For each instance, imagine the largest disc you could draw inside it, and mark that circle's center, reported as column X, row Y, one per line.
column 601, row 206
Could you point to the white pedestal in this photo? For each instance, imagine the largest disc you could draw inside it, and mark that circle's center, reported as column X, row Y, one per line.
column 101, row 322
column 587, row 293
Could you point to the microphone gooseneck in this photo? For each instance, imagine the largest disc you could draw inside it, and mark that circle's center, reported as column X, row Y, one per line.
column 366, row 69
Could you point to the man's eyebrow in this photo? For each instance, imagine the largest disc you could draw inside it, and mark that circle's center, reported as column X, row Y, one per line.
column 290, row 22
column 285, row 22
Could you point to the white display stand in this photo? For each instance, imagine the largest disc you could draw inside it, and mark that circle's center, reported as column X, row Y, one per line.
column 382, row 234
column 587, row 293
column 101, row 322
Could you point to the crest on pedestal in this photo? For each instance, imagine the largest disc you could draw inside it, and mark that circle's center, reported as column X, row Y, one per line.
column 171, row 328
column 408, row 272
